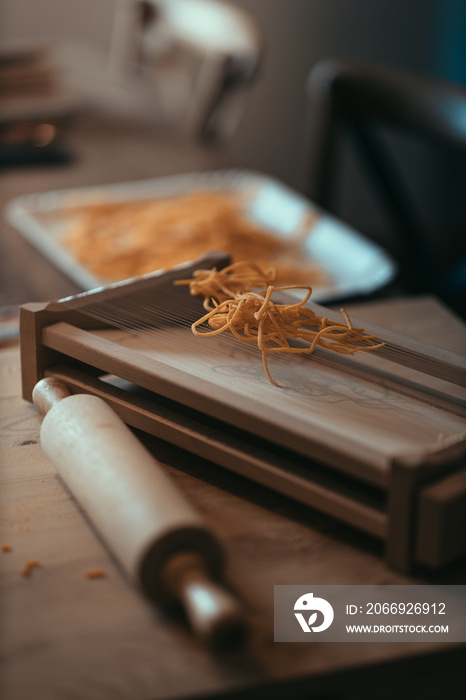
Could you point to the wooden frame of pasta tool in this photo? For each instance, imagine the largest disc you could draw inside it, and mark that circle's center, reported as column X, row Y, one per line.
column 416, row 502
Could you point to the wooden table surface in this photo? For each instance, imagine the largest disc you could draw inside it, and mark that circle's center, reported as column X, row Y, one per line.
column 66, row 636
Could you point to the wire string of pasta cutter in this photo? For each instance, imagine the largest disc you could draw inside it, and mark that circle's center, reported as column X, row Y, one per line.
column 153, row 319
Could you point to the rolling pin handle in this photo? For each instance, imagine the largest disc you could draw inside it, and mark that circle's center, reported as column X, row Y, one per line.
column 214, row 613
column 47, row 392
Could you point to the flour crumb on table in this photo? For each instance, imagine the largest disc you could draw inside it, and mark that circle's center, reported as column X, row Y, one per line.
column 29, row 566
column 95, row 574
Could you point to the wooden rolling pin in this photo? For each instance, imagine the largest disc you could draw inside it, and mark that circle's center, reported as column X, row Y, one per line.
column 160, row 540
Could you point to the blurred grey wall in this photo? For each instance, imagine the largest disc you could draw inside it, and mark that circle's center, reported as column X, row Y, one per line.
column 419, row 35
column 87, row 21
column 297, row 34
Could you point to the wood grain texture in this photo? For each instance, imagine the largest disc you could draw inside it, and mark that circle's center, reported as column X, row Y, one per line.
column 62, row 632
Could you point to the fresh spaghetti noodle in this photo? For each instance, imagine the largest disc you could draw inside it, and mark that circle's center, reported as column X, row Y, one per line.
column 252, row 316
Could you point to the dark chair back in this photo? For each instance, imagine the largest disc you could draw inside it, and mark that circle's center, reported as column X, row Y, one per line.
column 356, row 98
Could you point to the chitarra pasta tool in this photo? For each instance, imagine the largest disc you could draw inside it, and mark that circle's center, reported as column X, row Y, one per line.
column 355, row 439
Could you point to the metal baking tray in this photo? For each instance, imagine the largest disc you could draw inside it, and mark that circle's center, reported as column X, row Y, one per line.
column 354, row 265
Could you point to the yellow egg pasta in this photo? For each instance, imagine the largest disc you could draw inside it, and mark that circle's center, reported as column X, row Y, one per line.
column 253, row 317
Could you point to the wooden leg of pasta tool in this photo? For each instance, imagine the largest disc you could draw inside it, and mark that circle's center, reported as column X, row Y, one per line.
column 159, row 539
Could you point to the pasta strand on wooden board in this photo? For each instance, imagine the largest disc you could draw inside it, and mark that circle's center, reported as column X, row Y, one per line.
column 252, row 316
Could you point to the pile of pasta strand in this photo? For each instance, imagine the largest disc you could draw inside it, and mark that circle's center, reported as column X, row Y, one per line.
column 117, row 240
column 253, row 317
